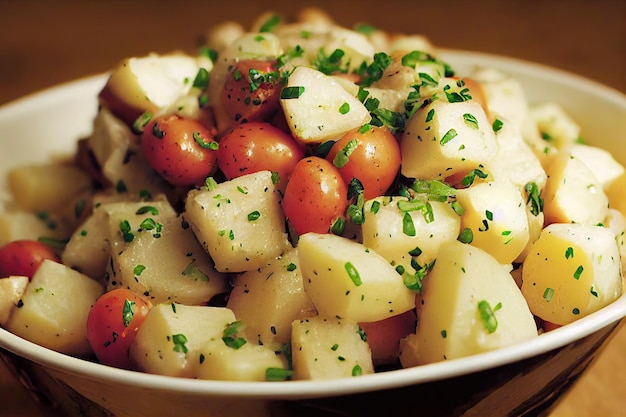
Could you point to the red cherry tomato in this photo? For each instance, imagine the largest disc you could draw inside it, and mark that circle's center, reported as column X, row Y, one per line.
column 373, row 157
column 251, row 91
column 182, row 150
column 315, row 196
column 113, row 323
column 23, row 257
column 258, row 146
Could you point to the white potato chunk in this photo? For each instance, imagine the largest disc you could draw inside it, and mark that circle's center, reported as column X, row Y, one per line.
column 617, row 223
column 249, row 362
column 571, row 271
column 117, row 150
column 47, row 187
column 87, row 250
column 150, row 83
column 326, row 348
column 172, row 336
column 516, row 162
column 600, row 161
column 573, row 193
column 12, row 290
column 441, row 139
column 383, row 231
column 345, row 279
column 470, row 304
column 322, row 110
column 495, row 212
column 230, row 220
column 269, row 298
column 17, row 224
column 168, row 266
column 53, row 311
column 555, row 125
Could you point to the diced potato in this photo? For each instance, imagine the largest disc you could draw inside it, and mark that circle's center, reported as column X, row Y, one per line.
column 167, row 266
column 506, row 101
column 383, row 231
column 172, row 336
column 325, row 348
column 315, row 115
column 495, row 212
column 573, row 193
column 571, row 271
column 87, row 250
column 615, row 193
column 249, row 362
column 269, row 298
column 53, row 312
column 600, row 161
column 516, row 162
column 470, row 304
column 345, row 279
column 616, row 221
column 48, row 186
column 220, row 219
column 555, row 125
column 150, row 83
column 16, row 225
column 12, row 290
column 124, row 219
column 116, row 148
column 438, row 141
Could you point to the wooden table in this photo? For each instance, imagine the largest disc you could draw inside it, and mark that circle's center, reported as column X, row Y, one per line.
column 43, row 43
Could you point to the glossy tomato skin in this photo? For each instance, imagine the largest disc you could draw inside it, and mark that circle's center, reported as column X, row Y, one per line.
column 182, row 150
column 113, row 323
column 315, row 196
column 23, row 257
column 374, row 159
column 251, row 91
column 258, row 146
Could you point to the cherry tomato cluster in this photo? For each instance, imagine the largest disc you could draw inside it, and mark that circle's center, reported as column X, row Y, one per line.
column 315, row 187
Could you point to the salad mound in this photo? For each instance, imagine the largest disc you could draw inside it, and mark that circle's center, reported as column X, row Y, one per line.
column 301, row 200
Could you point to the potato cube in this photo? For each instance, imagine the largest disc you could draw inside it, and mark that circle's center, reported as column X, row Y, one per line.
column 240, row 222
column 470, row 304
column 171, row 338
column 442, row 139
column 573, row 194
column 268, row 299
column 12, row 290
column 496, row 214
column 345, row 279
column 315, row 114
column 325, row 348
column 383, row 231
column 571, row 271
column 53, row 311
column 249, row 362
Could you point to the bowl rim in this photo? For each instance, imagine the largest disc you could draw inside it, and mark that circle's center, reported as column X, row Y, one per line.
column 334, row 387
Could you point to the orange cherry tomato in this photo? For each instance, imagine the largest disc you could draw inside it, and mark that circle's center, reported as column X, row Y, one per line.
column 113, row 323
column 370, row 155
column 258, row 146
column 182, row 150
column 251, row 91
column 23, row 257
column 315, row 196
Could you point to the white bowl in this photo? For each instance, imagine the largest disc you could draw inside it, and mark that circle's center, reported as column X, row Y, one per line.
column 525, row 378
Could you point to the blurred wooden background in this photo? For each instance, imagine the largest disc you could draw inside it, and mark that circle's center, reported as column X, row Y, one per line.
column 43, row 43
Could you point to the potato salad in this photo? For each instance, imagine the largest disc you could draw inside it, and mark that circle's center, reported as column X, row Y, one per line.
column 301, row 200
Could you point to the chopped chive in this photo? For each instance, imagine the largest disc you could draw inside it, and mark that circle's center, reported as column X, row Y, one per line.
column 353, row 273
